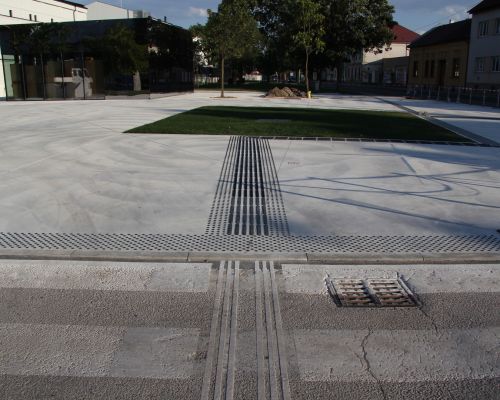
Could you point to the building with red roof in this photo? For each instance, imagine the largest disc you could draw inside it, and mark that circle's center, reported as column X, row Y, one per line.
column 388, row 65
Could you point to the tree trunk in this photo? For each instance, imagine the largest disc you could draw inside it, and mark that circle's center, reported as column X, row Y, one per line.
column 307, row 72
column 137, row 82
column 222, row 77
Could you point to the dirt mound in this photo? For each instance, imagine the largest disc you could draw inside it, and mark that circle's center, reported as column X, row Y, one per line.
column 285, row 92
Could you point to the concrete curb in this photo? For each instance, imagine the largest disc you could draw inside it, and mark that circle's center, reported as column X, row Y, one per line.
column 158, row 257
column 434, row 119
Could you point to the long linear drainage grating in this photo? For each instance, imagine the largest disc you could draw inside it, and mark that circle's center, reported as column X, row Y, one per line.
column 479, row 244
column 248, row 198
column 353, row 292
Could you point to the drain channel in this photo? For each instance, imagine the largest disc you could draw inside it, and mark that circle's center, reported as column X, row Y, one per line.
column 248, row 199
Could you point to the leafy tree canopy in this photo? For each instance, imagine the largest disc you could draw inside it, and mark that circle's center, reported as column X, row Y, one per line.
column 230, row 32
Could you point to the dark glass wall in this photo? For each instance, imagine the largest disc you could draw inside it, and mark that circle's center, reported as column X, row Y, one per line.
column 94, row 59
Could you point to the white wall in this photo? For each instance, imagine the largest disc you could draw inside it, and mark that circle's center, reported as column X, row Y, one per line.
column 98, row 10
column 393, row 51
column 44, row 10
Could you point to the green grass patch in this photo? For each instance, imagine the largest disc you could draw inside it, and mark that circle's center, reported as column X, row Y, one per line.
column 261, row 121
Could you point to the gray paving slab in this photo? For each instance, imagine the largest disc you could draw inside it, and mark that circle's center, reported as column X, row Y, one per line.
column 388, row 189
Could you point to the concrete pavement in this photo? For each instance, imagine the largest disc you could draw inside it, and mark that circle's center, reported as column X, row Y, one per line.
column 66, row 167
column 481, row 121
column 243, row 330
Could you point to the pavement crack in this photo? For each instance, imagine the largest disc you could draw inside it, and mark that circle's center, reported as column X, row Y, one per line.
column 368, row 367
column 429, row 318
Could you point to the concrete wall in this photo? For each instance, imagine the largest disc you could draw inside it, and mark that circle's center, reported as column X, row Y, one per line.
column 98, row 10
column 447, row 52
column 485, row 46
column 45, row 11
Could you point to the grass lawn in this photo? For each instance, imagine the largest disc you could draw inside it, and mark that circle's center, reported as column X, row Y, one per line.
column 260, row 121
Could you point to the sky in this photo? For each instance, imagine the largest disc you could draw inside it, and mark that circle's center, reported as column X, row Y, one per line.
column 417, row 15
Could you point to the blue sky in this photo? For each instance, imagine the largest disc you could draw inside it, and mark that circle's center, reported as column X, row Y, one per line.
column 418, row 15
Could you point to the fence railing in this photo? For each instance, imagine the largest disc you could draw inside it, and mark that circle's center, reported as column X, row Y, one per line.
column 483, row 97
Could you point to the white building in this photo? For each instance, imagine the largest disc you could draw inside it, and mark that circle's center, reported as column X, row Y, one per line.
column 99, row 10
column 367, row 66
column 32, row 11
column 484, row 49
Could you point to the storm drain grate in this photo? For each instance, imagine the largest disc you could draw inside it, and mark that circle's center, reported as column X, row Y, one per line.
column 370, row 292
column 248, row 198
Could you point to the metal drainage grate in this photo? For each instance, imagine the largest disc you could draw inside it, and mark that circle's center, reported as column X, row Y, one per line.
column 370, row 293
column 322, row 245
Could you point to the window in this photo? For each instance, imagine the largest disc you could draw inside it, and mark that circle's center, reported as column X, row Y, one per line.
column 10, row 13
column 495, row 64
column 426, row 73
column 52, row 20
column 483, row 28
column 455, row 73
column 31, row 17
column 35, row 18
column 415, row 69
column 480, row 64
column 433, row 66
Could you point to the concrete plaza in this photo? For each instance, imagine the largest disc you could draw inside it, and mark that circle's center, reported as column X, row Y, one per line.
column 66, row 167
column 113, row 284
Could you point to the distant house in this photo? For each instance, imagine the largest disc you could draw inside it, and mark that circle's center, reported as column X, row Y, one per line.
column 440, row 56
column 484, row 53
column 368, row 66
column 254, row 76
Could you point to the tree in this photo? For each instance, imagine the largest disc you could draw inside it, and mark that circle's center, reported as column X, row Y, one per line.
column 231, row 32
column 350, row 26
column 353, row 26
column 310, row 30
column 276, row 21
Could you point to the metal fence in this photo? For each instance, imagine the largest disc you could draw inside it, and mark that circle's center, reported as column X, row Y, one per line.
column 483, row 97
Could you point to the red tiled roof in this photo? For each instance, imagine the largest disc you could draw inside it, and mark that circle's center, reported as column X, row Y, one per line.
column 403, row 35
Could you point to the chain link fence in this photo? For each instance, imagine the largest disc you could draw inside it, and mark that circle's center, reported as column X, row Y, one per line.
column 482, row 97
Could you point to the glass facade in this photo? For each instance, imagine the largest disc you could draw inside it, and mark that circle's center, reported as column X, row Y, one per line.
column 95, row 59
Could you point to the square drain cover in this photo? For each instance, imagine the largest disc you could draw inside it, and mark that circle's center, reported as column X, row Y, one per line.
column 372, row 292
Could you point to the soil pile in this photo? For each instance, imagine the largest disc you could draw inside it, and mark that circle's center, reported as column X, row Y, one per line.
column 286, row 92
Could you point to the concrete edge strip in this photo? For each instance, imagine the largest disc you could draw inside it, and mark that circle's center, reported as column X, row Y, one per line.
column 233, row 334
column 283, row 359
column 195, row 257
column 271, row 345
column 225, row 336
column 433, row 120
column 214, row 335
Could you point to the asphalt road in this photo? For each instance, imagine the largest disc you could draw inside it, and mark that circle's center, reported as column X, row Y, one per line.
column 243, row 330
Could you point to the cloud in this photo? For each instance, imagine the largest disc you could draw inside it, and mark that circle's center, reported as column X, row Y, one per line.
column 197, row 12
column 454, row 11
